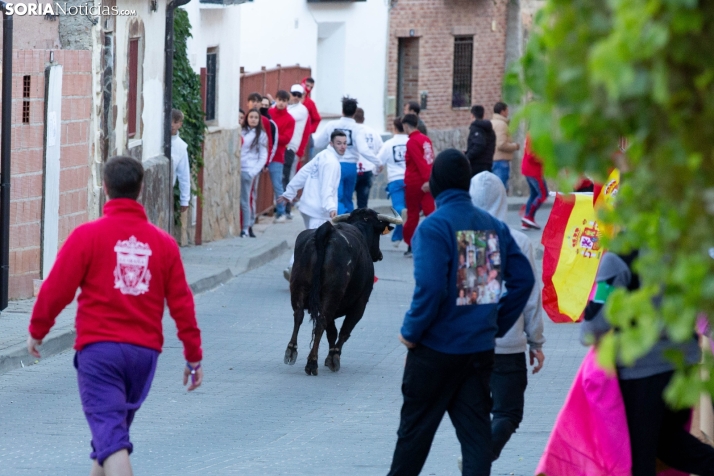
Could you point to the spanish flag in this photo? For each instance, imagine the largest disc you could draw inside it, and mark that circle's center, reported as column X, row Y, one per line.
column 572, row 250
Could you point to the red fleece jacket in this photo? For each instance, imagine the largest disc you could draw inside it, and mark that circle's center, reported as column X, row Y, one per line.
column 312, row 111
column 531, row 166
column 419, row 158
column 126, row 269
column 286, row 127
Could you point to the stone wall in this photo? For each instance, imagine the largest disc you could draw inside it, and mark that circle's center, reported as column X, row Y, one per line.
column 155, row 195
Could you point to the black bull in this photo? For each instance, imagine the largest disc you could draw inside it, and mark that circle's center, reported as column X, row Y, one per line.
column 332, row 277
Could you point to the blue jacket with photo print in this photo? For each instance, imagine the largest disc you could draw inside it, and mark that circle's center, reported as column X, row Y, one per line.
column 434, row 319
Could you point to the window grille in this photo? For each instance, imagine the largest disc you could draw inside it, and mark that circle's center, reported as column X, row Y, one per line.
column 133, row 86
column 463, row 71
column 26, row 99
column 211, row 60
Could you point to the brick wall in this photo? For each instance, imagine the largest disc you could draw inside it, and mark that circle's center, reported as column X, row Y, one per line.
column 435, row 23
column 28, row 156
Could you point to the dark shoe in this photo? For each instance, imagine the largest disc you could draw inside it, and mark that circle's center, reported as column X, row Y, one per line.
column 243, row 234
column 289, row 216
column 250, row 232
column 408, row 253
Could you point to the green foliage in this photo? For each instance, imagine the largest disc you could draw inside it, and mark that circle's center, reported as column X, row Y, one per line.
column 186, row 96
column 642, row 69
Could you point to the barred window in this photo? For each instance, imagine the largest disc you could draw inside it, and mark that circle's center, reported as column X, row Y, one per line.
column 211, row 70
column 463, row 71
column 133, row 92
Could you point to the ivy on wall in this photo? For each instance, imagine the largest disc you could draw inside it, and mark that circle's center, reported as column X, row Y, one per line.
column 186, row 96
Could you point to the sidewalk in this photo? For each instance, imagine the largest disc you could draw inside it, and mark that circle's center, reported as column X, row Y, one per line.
column 207, row 267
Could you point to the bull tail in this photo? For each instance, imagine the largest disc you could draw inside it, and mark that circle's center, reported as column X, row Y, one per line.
column 322, row 237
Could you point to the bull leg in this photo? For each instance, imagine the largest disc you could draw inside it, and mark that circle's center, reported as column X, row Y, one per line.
column 311, row 367
column 291, row 352
column 351, row 320
column 331, row 339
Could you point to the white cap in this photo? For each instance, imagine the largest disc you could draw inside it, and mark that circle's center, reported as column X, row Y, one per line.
column 296, row 88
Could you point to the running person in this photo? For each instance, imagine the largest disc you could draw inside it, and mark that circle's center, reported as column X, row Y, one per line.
column 392, row 154
column 126, row 268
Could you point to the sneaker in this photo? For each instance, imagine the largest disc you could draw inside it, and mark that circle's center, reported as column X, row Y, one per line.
column 243, row 234
column 408, row 253
column 396, row 243
column 280, row 219
column 287, row 272
column 289, row 216
column 460, row 463
column 250, row 232
column 525, row 227
column 530, row 222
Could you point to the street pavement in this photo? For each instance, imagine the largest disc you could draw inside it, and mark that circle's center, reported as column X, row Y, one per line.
column 256, row 416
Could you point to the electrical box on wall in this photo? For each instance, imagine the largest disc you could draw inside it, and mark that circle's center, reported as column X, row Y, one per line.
column 423, row 96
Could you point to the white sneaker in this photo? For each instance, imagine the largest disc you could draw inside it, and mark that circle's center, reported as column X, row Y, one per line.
column 280, row 219
column 287, row 272
column 396, row 243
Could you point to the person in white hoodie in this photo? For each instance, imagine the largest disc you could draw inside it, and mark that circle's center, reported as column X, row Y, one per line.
column 179, row 160
column 301, row 115
column 393, row 155
column 253, row 157
column 510, row 373
column 366, row 170
column 356, row 146
column 319, row 180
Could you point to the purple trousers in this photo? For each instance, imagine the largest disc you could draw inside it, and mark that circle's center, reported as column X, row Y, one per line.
column 114, row 380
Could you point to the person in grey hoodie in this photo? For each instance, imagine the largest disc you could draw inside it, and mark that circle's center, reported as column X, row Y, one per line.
column 510, row 373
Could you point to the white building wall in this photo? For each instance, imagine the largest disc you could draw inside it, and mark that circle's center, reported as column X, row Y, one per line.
column 218, row 27
column 324, row 36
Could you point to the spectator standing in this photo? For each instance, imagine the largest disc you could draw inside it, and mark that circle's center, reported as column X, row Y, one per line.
column 413, row 107
column 505, row 147
column 300, row 113
column 419, row 160
column 451, row 344
column 366, row 170
column 315, row 119
column 179, row 161
column 510, row 372
column 393, row 155
column 255, row 101
column 319, row 180
column 481, row 142
column 286, row 125
column 126, row 269
column 356, row 146
column 532, row 170
column 254, row 157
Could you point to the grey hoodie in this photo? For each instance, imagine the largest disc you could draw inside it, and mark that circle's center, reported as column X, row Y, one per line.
column 489, row 194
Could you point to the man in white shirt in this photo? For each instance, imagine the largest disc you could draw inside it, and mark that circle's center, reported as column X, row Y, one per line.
column 392, row 154
column 366, row 170
column 300, row 114
column 181, row 170
column 356, row 146
column 319, row 180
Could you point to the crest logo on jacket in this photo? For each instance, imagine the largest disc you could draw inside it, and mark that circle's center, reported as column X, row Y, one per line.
column 132, row 275
column 399, row 152
column 348, row 133
column 428, row 153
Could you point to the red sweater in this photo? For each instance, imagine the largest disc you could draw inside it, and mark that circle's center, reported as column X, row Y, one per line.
column 305, row 138
column 419, row 159
column 531, row 166
column 126, row 269
column 312, row 112
column 286, row 127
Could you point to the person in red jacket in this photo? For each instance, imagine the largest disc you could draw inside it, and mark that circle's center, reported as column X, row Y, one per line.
column 419, row 158
column 286, row 126
column 315, row 118
column 126, row 268
column 532, row 170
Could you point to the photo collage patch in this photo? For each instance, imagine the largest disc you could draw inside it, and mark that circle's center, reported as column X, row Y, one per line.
column 478, row 279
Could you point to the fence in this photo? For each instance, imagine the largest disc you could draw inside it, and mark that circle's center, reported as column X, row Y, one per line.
column 269, row 81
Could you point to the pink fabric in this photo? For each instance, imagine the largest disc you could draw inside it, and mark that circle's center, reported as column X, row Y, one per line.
column 590, row 435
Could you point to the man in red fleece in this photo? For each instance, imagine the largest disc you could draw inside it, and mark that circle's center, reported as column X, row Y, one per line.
column 286, row 126
column 532, row 170
column 309, row 83
column 419, row 158
column 126, row 269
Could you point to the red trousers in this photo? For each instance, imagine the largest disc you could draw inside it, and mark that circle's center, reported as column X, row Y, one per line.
column 416, row 201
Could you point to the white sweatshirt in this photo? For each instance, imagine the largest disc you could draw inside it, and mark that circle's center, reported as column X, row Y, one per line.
column 393, row 155
column 181, row 169
column 253, row 159
column 300, row 114
column 356, row 142
column 319, row 180
column 374, row 141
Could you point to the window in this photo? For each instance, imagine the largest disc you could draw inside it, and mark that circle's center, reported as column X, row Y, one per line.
column 407, row 72
column 133, row 95
column 211, row 63
column 463, row 71
column 26, row 99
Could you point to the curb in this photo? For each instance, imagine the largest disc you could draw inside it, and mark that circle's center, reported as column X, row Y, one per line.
column 17, row 356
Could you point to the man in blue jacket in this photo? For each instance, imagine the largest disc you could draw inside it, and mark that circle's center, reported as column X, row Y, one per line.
column 472, row 283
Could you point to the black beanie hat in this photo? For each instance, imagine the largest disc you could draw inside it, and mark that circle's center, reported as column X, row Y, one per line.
column 451, row 170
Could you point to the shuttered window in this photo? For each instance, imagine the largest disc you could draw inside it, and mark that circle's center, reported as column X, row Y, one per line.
column 463, row 71
column 133, row 93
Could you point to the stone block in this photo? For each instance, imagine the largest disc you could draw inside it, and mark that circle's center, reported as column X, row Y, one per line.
column 156, row 194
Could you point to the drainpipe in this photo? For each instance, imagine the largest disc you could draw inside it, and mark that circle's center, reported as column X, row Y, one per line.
column 168, row 80
column 5, row 169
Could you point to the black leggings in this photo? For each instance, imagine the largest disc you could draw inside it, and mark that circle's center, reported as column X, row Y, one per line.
column 656, row 431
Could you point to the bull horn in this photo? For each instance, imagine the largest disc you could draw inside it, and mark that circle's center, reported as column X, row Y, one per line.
column 340, row 218
column 394, row 220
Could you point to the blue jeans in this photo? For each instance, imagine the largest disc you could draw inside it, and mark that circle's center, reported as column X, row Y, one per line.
column 395, row 190
column 539, row 194
column 508, row 386
column 362, row 188
column 348, row 180
column 276, row 177
column 502, row 168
